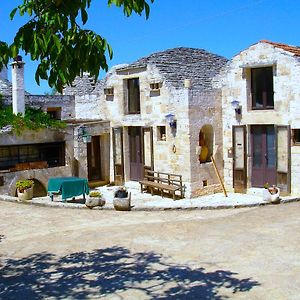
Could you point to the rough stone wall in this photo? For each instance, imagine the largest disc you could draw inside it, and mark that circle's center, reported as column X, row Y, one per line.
column 42, row 175
column 66, row 102
column 80, row 148
column 205, row 109
column 5, row 87
column 286, row 100
column 87, row 107
column 192, row 110
column 153, row 111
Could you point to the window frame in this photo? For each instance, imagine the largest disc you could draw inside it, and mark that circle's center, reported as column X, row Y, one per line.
column 137, row 96
column 266, row 89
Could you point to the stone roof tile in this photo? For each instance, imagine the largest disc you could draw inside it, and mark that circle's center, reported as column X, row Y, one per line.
column 178, row 64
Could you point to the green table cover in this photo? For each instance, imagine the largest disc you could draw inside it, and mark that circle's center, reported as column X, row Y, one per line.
column 69, row 187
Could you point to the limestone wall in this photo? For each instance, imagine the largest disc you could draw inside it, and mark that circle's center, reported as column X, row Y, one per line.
column 205, row 110
column 286, row 110
column 42, row 175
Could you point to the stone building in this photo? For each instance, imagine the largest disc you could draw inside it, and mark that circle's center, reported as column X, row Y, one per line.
column 163, row 112
column 261, row 118
column 49, row 153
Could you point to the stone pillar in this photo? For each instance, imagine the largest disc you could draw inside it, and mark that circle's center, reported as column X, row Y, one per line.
column 18, row 92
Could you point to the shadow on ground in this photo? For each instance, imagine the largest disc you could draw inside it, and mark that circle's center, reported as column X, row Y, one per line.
column 112, row 271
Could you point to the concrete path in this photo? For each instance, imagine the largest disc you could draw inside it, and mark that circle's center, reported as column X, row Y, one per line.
column 144, row 201
column 247, row 253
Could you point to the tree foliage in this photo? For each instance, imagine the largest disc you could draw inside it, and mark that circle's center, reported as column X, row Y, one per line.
column 54, row 37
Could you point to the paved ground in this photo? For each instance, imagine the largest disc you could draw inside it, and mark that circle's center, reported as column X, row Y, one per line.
column 146, row 202
column 51, row 253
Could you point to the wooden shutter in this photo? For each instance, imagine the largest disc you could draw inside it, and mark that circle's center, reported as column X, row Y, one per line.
column 148, row 157
column 283, row 158
column 118, row 155
column 239, row 158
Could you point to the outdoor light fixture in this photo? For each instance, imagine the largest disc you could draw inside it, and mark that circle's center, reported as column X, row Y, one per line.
column 171, row 120
column 83, row 134
column 236, row 106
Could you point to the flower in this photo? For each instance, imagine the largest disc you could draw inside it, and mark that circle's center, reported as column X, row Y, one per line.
column 94, row 194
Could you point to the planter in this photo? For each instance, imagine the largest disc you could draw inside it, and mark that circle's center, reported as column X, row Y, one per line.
column 91, row 202
column 272, row 195
column 123, row 204
column 26, row 195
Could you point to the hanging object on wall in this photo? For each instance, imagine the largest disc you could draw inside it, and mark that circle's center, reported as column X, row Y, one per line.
column 174, row 149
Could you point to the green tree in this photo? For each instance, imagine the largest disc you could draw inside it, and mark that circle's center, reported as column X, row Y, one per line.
column 54, row 37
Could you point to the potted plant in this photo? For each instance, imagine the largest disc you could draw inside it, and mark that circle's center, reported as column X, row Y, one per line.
column 25, row 189
column 271, row 194
column 122, row 199
column 94, row 199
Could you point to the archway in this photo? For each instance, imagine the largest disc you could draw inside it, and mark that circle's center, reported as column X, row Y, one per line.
column 39, row 189
column 206, row 143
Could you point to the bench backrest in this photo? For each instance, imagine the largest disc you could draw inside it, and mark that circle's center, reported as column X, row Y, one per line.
column 167, row 178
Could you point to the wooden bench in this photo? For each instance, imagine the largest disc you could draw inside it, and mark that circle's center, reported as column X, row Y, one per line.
column 162, row 182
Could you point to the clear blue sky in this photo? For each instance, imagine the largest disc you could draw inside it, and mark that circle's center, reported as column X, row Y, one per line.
column 224, row 27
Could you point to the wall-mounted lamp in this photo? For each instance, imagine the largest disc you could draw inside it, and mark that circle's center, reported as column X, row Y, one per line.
column 171, row 120
column 236, row 106
column 84, row 134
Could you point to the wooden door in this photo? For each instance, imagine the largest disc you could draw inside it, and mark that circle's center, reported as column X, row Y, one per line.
column 118, row 156
column 263, row 147
column 239, row 159
column 283, row 153
column 93, row 159
column 136, row 153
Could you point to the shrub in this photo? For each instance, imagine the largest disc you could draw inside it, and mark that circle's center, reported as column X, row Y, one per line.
column 23, row 185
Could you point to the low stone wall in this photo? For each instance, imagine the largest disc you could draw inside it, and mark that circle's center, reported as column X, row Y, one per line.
column 41, row 175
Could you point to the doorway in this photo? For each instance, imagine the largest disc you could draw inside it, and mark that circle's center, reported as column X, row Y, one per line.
column 136, row 153
column 93, row 159
column 263, row 152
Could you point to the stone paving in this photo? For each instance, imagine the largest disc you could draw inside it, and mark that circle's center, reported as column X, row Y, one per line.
column 144, row 201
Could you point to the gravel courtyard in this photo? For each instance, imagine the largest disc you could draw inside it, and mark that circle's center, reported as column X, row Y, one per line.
column 58, row 253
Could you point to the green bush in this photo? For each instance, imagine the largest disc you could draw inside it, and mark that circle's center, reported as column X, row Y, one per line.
column 34, row 119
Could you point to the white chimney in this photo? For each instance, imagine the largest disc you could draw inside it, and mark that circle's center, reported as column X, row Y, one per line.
column 18, row 92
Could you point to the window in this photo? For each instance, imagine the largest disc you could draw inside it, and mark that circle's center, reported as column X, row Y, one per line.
column 12, row 156
column 161, row 133
column 54, row 112
column 109, row 94
column 155, row 89
column 133, row 96
column 296, row 137
column 262, row 88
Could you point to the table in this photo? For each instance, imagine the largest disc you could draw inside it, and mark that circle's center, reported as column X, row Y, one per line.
column 68, row 187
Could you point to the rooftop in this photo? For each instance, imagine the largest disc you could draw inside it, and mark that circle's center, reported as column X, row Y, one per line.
column 289, row 48
column 178, row 64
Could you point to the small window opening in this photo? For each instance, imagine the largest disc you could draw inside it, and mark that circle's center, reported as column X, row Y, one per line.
column 155, row 89
column 54, row 112
column 204, row 183
column 296, row 137
column 262, row 88
column 109, row 91
column 161, row 133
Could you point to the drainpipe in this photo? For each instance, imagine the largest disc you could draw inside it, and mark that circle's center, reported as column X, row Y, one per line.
column 18, row 92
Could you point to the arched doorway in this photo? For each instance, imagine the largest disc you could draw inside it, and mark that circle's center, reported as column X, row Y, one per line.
column 206, row 143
